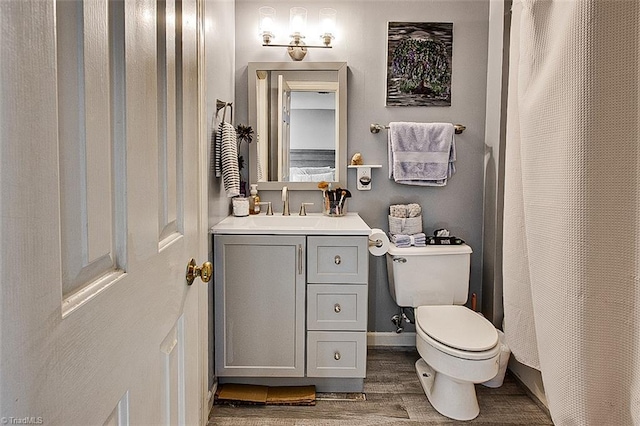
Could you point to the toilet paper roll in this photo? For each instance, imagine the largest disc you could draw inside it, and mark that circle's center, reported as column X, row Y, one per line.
column 378, row 242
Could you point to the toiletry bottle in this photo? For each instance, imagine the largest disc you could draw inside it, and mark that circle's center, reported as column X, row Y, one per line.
column 254, row 200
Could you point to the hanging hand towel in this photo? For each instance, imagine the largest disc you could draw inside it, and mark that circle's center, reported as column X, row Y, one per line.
column 217, row 150
column 216, row 142
column 421, row 153
column 227, row 161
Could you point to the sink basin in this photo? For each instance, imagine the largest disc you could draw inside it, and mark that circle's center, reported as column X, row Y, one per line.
column 313, row 223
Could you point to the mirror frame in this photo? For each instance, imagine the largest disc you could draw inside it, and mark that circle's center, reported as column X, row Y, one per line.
column 341, row 166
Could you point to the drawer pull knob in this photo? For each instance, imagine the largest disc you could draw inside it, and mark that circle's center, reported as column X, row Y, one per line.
column 336, row 356
column 337, row 308
column 337, row 260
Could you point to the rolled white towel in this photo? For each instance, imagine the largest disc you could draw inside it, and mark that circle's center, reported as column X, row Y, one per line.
column 398, row 210
column 405, row 210
column 414, row 210
column 442, row 233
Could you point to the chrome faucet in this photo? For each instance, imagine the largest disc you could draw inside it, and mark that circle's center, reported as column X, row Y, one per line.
column 303, row 208
column 285, row 200
column 269, row 208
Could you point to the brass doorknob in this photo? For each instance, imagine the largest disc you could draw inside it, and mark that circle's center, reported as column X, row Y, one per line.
column 193, row 271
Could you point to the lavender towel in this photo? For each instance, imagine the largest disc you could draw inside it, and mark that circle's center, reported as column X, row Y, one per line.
column 421, row 153
column 417, row 240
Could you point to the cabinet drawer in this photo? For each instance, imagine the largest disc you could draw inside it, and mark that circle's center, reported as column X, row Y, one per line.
column 336, row 354
column 336, row 307
column 337, row 259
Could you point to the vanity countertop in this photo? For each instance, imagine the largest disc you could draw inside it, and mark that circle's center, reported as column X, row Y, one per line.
column 311, row 224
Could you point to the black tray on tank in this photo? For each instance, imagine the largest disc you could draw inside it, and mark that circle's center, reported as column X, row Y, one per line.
column 444, row 241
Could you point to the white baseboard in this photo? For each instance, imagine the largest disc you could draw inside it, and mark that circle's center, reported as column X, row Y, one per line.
column 212, row 392
column 377, row 338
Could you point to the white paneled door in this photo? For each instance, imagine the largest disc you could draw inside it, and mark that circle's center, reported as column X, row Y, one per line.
column 101, row 209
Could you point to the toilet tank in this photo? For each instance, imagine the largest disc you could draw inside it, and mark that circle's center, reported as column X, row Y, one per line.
column 432, row 275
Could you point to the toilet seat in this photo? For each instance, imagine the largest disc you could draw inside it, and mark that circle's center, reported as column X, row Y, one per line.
column 458, row 331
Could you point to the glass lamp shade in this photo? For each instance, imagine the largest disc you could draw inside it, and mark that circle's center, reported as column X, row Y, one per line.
column 298, row 21
column 267, row 23
column 327, row 21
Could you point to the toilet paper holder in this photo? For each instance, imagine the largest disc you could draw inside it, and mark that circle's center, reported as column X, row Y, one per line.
column 378, row 242
column 375, row 243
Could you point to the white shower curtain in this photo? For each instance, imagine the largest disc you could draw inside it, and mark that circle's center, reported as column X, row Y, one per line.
column 572, row 205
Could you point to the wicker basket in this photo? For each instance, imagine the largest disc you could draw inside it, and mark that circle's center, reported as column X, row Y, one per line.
column 405, row 226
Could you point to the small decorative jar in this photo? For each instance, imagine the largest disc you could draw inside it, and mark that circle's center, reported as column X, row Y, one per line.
column 240, row 206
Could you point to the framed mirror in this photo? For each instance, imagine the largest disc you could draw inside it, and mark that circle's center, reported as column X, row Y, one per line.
column 299, row 115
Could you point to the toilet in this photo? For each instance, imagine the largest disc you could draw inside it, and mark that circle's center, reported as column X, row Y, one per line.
column 458, row 347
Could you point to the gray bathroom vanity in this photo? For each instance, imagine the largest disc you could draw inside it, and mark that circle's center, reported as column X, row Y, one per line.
column 291, row 300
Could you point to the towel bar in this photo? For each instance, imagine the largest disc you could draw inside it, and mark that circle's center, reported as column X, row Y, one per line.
column 375, row 128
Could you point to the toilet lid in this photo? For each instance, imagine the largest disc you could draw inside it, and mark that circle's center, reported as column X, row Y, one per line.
column 457, row 327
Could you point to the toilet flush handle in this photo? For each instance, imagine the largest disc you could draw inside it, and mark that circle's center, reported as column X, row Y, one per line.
column 400, row 259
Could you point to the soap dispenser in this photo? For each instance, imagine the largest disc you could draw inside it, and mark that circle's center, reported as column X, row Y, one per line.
column 254, row 200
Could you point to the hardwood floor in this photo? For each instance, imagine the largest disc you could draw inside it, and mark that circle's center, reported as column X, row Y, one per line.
column 393, row 397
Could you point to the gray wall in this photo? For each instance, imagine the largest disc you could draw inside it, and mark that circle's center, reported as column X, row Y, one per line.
column 220, row 84
column 220, row 81
column 362, row 43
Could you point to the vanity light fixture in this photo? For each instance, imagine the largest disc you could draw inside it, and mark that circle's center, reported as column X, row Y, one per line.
column 297, row 48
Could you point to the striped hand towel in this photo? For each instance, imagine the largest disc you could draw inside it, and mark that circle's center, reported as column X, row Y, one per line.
column 227, row 159
column 214, row 155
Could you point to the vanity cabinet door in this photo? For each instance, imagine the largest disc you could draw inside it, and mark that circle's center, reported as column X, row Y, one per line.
column 259, row 305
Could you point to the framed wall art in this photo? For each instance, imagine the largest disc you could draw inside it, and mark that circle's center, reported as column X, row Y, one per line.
column 419, row 63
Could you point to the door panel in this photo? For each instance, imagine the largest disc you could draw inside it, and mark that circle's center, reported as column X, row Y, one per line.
column 88, row 192
column 120, row 414
column 169, row 134
column 173, row 381
column 100, row 212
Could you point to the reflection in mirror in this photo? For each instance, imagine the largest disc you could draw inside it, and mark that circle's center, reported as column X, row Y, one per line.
column 312, row 145
column 299, row 113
